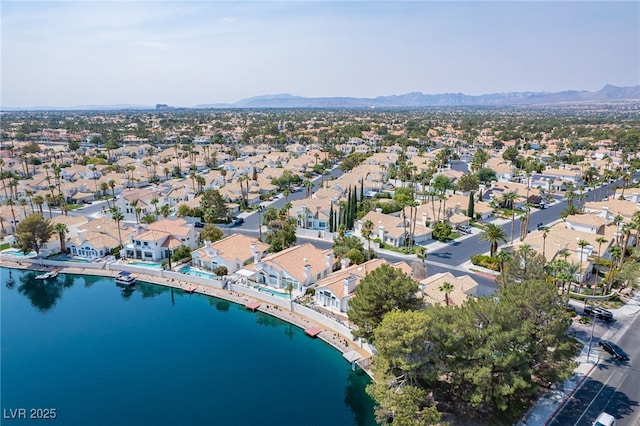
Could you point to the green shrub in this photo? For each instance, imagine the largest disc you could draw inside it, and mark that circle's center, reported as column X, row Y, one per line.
column 602, row 262
column 221, row 270
column 486, row 261
column 441, row 232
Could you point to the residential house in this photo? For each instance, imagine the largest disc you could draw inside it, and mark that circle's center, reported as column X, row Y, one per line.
column 233, row 252
column 393, row 230
column 311, row 213
column 335, row 291
column 300, row 266
column 94, row 239
column 463, row 287
column 158, row 240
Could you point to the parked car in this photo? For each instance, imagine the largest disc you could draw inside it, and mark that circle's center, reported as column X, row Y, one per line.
column 605, row 419
column 599, row 313
column 614, row 350
column 198, row 225
column 237, row 221
column 465, row 229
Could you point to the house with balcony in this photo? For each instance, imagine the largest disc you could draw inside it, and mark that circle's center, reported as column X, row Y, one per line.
column 233, row 252
column 335, row 291
column 393, row 230
column 311, row 213
column 158, row 240
column 299, row 266
column 93, row 239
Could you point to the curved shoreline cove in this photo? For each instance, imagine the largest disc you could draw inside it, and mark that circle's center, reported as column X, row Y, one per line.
column 153, row 355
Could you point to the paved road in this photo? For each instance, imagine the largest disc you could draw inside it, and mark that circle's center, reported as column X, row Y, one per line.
column 460, row 251
column 613, row 386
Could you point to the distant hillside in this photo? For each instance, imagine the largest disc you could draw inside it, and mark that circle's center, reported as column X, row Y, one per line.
column 417, row 99
column 410, row 100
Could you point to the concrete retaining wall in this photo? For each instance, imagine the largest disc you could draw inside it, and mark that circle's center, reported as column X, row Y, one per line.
column 249, row 291
column 58, row 263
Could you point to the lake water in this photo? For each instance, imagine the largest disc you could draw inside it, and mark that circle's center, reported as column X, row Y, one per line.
column 102, row 355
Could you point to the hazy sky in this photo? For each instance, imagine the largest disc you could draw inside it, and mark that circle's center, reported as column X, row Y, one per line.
column 185, row 53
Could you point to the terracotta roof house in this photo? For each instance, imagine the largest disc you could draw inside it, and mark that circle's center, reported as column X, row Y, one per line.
column 392, row 230
column 94, row 239
column 301, row 266
column 143, row 199
column 463, row 287
column 233, row 252
column 335, row 291
column 611, row 208
column 159, row 239
column 311, row 213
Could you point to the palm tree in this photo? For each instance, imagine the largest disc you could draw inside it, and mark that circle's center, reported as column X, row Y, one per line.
column 545, row 231
column 154, row 202
column 493, row 234
column 616, row 253
column 571, row 270
column 626, row 234
column 446, row 288
column 509, row 199
column 112, row 185
column 366, row 231
column 289, row 289
column 29, row 194
column 148, row 218
column 309, row 186
column 117, row 215
column 582, row 244
column 570, row 194
column 23, row 204
column 504, row 257
column 134, row 205
column 62, row 230
column 617, row 220
column 635, row 220
column 165, row 210
column 582, row 196
column 600, row 241
column 422, row 252
column 11, row 203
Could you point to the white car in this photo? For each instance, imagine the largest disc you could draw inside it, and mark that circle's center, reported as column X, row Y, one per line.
column 464, row 229
column 605, row 419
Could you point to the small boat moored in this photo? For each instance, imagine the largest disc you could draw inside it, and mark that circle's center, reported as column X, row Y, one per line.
column 48, row 275
column 125, row 278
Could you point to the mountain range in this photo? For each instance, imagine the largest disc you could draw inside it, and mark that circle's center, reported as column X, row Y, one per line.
column 417, row 99
column 608, row 93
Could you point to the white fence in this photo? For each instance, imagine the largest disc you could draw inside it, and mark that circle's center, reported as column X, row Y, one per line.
column 323, row 320
column 314, row 233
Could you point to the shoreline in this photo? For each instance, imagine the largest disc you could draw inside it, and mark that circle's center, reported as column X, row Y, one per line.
column 338, row 341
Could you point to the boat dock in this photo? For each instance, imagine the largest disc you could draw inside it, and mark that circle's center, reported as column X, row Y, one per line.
column 313, row 331
column 252, row 306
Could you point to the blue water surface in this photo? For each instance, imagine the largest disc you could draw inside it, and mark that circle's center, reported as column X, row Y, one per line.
column 102, row 355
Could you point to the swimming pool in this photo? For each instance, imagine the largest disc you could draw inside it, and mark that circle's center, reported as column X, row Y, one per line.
column 272, row 292
column 67, row 258
column 150, row 265
column 189, row 270
column 18, row 253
